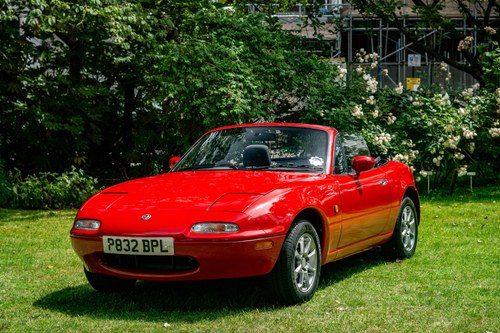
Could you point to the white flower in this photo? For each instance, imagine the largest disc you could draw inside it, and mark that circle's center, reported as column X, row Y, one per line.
column 371, row 100
column 359, row 70
column 459, row 156
column 468, row 92
column 442, row 99
column 452, row 142
column 385, row 72
column 462, row 171
column 471, row 147
column 465, row 43
column 382, row 140
column 357, row 111
column 494, row 132
column 490, row 31
column 437, row 160
column 371, row 83
column 462, row 111
column 342, row 73
column 413, row 155
column 390, row 118
column 468, row 134
column 375, row 113
column 424, row 173
column 399, row 88
column 399, row 158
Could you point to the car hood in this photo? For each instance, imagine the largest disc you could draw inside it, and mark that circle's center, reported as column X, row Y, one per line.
column 194, row 191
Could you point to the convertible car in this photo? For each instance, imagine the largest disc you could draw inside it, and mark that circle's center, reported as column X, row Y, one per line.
column 274, row 200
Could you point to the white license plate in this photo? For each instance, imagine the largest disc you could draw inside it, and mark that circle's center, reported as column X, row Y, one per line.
column 140, row 246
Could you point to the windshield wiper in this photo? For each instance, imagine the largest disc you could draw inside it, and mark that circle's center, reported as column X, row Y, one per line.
column 262, row 167
column 226, row 164
column 297, row 166
column 197, row 167
column 208, row 166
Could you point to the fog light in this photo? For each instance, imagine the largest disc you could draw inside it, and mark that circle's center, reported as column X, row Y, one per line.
column 214, row 228
column 87, row 224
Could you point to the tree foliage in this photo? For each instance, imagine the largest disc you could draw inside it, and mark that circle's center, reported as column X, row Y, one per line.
column 117, row 87
column 72, row 69
column 103, row 84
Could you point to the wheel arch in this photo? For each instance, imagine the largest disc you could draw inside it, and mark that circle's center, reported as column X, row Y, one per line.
column 318, row 222
column 412, row 193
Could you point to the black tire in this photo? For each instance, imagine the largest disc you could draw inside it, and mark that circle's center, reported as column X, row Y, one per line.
column 295, row 276
column 404, row 238
column 107, row 284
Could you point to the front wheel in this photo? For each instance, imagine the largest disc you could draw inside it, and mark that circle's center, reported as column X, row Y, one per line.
column 404, row 238
column 295, row 277
column 106, row 283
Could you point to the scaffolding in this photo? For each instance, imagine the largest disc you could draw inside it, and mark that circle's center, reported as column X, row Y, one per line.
column 344, row 31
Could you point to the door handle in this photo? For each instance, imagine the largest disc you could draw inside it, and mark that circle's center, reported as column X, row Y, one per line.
column 383, row 182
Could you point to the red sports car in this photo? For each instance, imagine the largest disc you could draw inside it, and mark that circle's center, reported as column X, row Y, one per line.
column 272, row 199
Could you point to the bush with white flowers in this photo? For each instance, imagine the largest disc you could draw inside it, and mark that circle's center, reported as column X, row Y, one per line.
column 433, row 130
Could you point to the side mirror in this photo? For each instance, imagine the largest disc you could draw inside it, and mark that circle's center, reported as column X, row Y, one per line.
column 362, row 163
column 173, row 161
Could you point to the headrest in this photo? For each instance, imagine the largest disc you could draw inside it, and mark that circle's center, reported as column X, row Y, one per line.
column 256, row 156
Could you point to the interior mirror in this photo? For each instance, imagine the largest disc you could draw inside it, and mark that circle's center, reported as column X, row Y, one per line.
column 173, row 161
column 362, row 163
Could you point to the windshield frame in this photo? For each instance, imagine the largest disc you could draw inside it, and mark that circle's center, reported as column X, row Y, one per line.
column 313, row 166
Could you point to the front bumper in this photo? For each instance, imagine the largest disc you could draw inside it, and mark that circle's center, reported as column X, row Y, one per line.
column 193, row 260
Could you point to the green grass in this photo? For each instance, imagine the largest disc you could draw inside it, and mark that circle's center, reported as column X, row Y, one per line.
column 452, row 284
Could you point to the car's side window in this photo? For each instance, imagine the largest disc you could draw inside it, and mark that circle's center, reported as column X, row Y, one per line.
column 348, row 146
column 340, row 165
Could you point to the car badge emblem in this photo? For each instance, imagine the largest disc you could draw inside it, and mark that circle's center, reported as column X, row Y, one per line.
column 145, row 217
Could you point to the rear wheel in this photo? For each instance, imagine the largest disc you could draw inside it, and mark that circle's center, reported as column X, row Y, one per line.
column 404, row 238
column 295, row 277
column 106, row 283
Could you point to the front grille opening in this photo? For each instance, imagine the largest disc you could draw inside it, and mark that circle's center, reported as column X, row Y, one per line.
column 158, row 264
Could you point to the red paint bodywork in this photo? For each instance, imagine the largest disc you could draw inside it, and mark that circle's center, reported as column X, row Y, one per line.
column 351, row 212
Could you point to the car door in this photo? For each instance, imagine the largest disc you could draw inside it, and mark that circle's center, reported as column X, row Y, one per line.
column 365, row 198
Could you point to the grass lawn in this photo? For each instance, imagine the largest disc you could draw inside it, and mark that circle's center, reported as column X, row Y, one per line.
column 452, row 284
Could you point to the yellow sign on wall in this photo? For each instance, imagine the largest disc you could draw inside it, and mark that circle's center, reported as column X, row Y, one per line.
column 412, row 83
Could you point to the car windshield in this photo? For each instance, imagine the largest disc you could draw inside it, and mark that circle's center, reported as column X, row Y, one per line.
column 265, row 148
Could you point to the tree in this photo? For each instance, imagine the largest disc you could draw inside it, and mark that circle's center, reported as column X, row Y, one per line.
column 104, row 84
column 483, row 15
column 72, row 68
column 232, row 68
